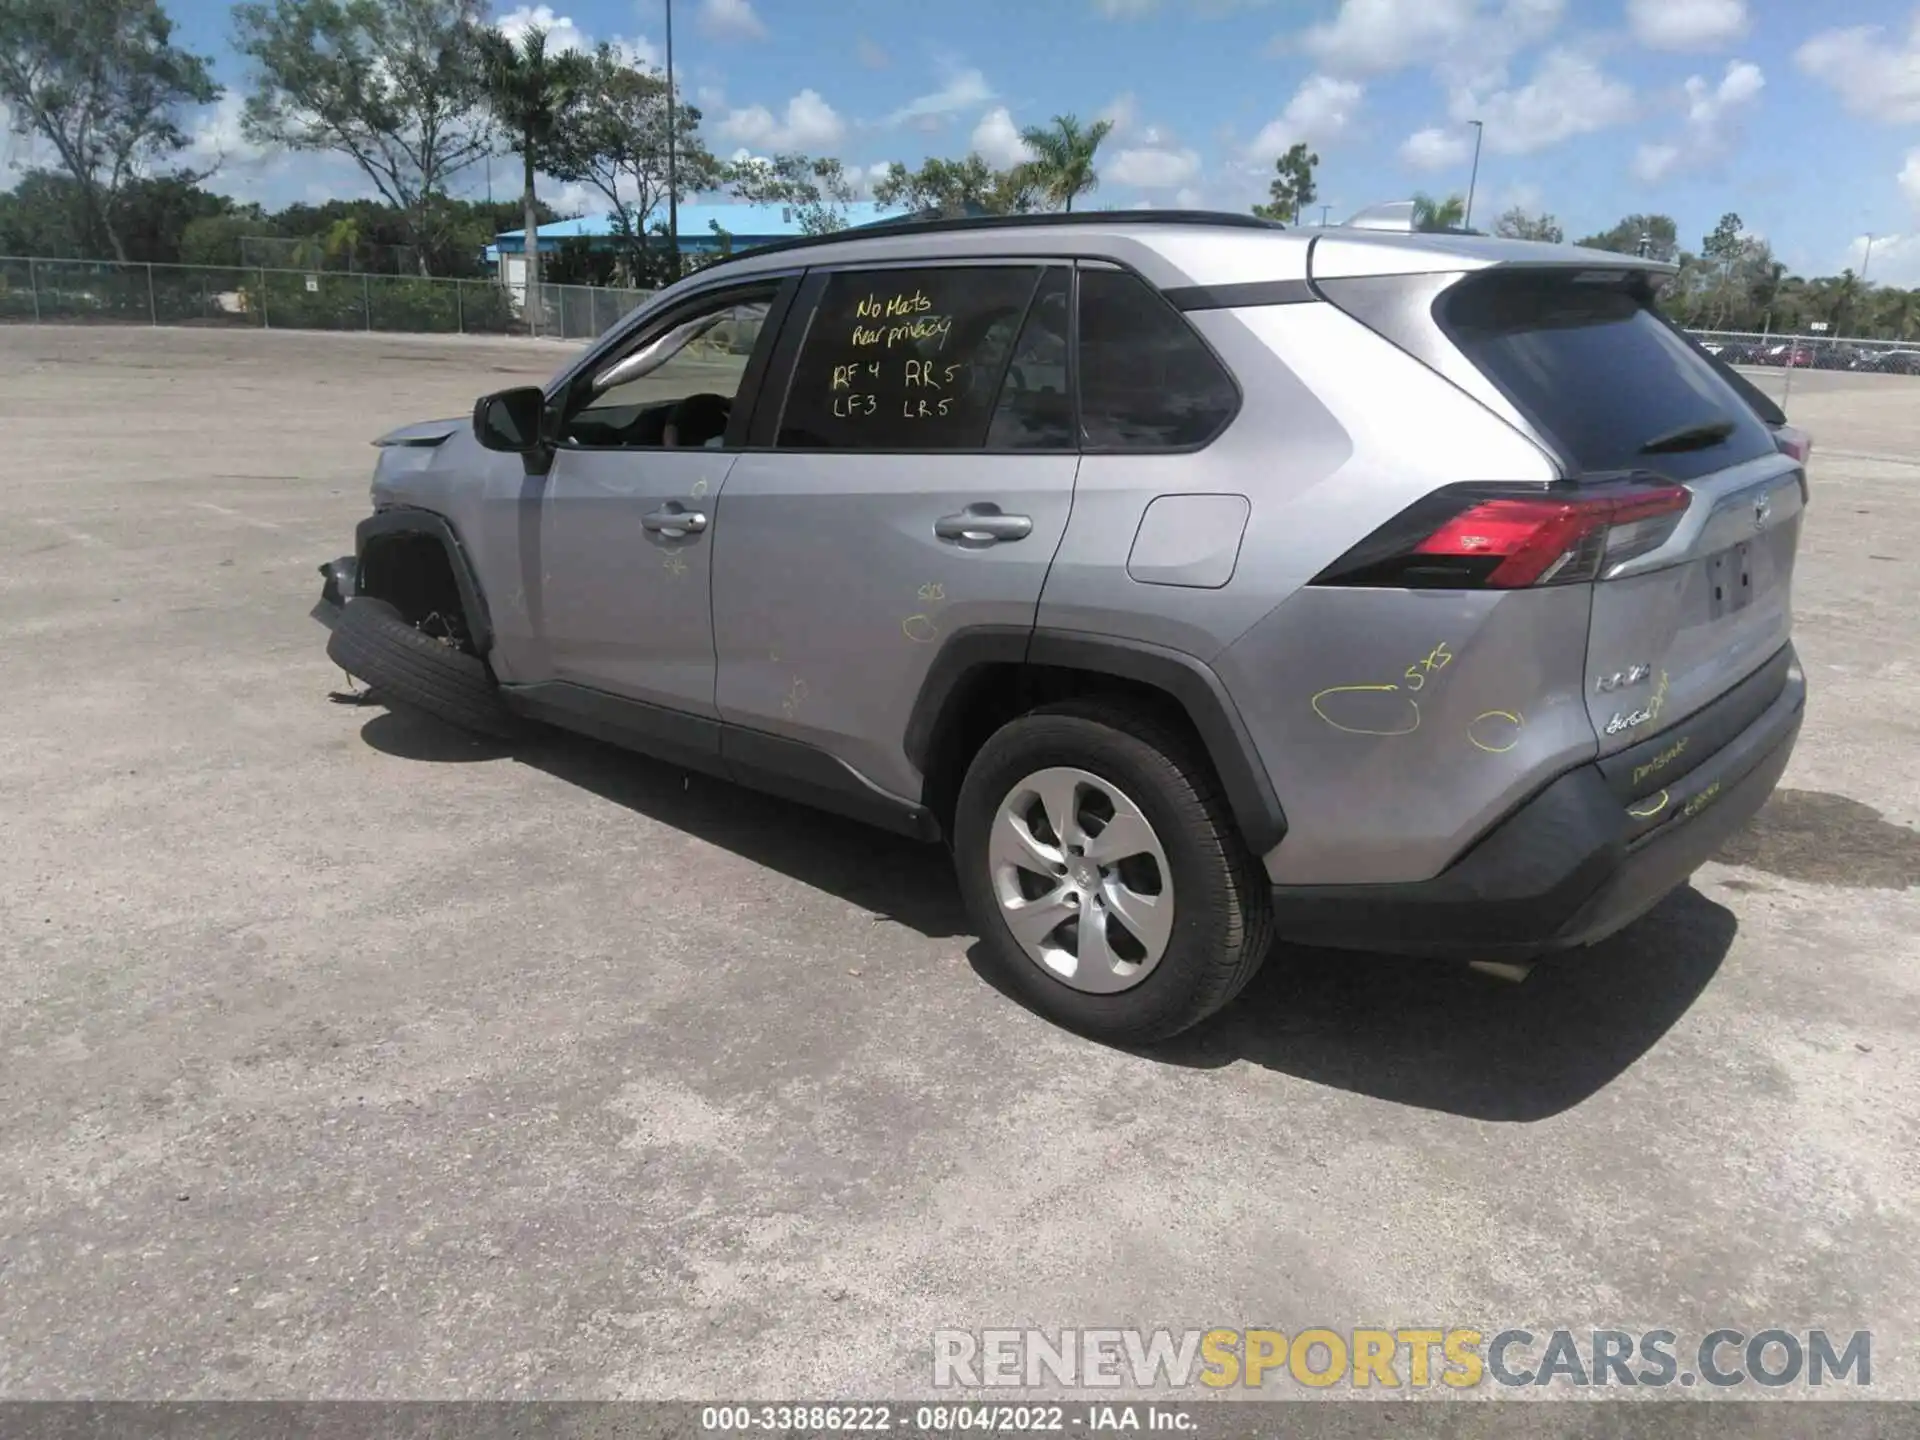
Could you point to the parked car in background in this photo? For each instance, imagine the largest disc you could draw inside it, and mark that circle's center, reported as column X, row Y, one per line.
column 1893, row 362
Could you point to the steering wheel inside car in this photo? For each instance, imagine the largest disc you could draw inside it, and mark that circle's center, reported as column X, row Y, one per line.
column 696, row 421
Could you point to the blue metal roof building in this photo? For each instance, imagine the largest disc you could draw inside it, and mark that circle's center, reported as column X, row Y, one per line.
column 746, row 227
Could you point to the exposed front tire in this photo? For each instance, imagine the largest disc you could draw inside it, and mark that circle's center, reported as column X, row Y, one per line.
column 1103, row 871
column 373, row 642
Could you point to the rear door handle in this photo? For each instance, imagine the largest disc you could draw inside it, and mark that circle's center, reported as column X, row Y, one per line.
column 674, row 522
column 983, row 525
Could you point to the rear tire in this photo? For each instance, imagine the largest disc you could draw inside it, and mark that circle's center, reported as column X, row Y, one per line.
column 1120, row 766
column 372, row 641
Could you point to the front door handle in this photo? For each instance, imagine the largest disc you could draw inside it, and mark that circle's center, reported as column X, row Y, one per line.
column 673, row 522
column 983, row 525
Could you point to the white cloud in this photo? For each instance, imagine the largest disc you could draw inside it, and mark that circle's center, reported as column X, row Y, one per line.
column 1910, row 179
column 809, row 123
column 1895, row 260
column 1434, row 149
column 637, row 51
column 1370, row 37
column 1687, row 24
column 1712, row 115
column 731, row 19
column 216, row 134
column 1568, row 95
column 1875, row 76
column 1189, row 198
column 964, row 90
column 1123, row 111
column 1653, row 163
column 1320, row 110
column 562, row 33
column 1149, row 167
column 996, row 139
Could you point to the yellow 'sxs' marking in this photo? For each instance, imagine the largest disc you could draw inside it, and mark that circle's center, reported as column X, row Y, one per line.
column 933, row 592
column 1507, row 717
column 1415, row 676
column 1649, row 807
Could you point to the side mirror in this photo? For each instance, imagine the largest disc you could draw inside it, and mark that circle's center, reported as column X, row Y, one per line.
column 512, row 420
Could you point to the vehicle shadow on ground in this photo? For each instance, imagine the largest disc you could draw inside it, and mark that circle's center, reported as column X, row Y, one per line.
column 906, row 882
column 1421, row 1033
column 1440, row 1036
column 1443, row 1037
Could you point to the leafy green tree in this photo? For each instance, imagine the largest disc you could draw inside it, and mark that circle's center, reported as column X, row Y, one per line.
column 1517, row 224
column 1434, row 216
column 817, row 189
column 955, row 188
column 1660, row 234
column 616, row 141
column 532, row 91
column 1063, row 153
column 1897, row 314
column 393, row 85
column 1292, row 187
column 103, row 84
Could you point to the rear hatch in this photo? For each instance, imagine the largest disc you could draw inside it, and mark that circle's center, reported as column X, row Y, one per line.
column 1676, row 503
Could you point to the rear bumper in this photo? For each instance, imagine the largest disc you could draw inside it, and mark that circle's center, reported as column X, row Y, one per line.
column 1594, row 851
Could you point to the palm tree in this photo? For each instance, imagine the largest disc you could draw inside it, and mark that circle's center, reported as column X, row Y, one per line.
column 1062, row 164
column 1431, row 215
column 530, row 91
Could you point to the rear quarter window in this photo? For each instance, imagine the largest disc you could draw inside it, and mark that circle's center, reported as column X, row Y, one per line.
column 1600, row 374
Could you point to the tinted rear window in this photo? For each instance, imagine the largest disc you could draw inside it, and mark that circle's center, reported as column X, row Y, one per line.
column 1597, row 371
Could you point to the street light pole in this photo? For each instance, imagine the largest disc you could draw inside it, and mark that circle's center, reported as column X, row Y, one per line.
column 1866, row 260
column 673, row 152
column 1323, row 215
column 1479, row 130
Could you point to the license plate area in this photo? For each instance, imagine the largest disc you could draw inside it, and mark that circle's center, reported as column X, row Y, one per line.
column 1730, row 580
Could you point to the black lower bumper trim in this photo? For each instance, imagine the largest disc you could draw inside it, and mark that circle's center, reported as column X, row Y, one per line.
column 337, row 586
column 1569, row 868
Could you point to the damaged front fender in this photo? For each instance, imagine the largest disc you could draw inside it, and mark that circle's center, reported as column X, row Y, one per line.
column 423, row 434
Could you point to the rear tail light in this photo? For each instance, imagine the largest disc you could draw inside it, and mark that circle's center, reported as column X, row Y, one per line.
column 1505, row 537
column 1795, row 442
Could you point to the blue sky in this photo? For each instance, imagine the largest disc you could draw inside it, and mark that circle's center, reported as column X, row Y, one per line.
column 1802, row 117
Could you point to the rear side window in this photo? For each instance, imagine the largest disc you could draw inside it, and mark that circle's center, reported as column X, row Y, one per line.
column 1602, row 376
column 1036, row 399
column 908, row 359
column 1147, row 381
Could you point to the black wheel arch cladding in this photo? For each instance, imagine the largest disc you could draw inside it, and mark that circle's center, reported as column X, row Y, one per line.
column 1189, row 683
column 406, row 520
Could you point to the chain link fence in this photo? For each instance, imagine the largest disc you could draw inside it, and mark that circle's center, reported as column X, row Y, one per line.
column 81, row 292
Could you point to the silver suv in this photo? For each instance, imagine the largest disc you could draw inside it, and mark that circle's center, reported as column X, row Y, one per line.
column 1195, row 580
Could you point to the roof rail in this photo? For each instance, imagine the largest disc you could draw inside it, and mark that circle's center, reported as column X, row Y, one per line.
column 947, row 225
